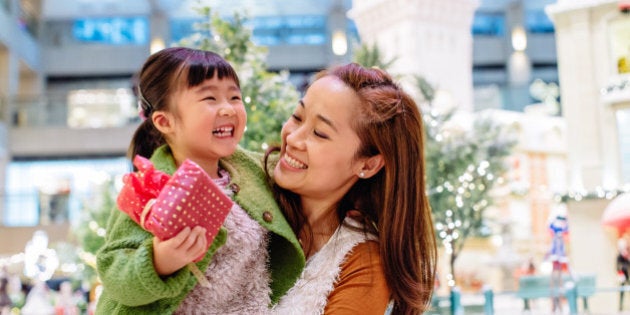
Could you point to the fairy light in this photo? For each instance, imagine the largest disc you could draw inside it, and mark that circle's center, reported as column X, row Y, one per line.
column 597, row 193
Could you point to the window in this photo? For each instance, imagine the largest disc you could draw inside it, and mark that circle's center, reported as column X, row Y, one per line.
column 269, row 30
column 623, row 129
column 101, row 108
column 289, row 30
column 537, row 21
column 112, row 31
column 182, row 28
column 490, row 24
column 55, row 191
column 620, row 44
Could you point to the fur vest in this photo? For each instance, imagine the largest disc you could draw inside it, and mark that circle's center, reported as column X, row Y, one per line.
column 310, row 293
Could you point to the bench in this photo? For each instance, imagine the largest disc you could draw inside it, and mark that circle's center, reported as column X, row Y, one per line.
column 539, row 286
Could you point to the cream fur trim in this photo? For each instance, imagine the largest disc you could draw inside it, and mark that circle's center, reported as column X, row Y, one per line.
column 310, row 293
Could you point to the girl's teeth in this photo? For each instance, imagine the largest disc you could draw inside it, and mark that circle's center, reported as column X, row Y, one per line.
column 223, row 132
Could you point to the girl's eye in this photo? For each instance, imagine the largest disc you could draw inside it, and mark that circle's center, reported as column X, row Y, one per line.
column 319, row 134
column 210, row 98
column 236, row 98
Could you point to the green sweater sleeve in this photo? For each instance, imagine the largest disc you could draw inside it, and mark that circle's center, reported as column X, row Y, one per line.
column 126, row 269
column 125, row 265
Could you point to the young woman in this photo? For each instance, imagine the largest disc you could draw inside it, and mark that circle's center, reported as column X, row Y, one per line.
column 194, row 110
column 350, row 179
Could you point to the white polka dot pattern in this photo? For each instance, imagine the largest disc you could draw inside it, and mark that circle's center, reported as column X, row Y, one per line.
column 188, row 199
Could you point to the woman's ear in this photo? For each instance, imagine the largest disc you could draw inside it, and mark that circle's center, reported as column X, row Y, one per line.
column 371, row 166
column 163, row 121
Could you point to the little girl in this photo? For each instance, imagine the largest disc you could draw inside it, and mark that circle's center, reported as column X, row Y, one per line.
column 192, row 103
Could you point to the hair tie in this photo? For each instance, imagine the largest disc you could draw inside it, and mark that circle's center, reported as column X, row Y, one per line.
column 142, row 112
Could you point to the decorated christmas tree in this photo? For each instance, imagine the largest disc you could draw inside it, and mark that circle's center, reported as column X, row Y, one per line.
column 464, row 165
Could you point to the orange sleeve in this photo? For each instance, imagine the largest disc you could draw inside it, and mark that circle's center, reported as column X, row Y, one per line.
column 361, row 288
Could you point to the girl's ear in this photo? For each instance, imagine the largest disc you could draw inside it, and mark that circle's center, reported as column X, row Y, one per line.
column 371, row 166
column 163, row 121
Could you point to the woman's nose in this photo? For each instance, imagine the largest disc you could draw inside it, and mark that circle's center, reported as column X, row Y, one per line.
column 295, row 138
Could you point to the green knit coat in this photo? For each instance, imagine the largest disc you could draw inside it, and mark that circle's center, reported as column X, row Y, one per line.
column 125, row 262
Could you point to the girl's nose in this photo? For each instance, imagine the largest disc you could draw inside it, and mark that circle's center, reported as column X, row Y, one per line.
column 226, row 111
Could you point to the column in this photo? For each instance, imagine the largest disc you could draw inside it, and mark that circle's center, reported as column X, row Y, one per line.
column 431, row 38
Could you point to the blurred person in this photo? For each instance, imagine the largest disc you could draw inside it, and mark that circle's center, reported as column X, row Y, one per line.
column 623, row 262
column 559, row 227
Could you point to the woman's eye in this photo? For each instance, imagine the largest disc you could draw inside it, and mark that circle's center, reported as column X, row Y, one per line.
column 210, row 98
column 296, row 117
column 319, row 134
column 236, row 98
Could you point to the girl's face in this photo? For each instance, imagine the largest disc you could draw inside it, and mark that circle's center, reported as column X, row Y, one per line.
column 318, row 144
column 209, row 121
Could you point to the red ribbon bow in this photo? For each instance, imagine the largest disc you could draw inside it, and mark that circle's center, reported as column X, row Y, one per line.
column 139, row 188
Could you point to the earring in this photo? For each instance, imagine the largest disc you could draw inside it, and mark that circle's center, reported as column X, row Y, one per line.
column 361, row 174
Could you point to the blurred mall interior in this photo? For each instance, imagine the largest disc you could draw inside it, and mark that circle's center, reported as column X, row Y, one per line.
column 556, row 71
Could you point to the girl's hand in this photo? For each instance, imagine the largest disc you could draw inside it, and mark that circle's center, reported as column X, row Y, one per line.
column 172, row 254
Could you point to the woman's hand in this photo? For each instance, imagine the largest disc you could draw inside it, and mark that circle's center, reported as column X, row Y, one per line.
column 172, row 254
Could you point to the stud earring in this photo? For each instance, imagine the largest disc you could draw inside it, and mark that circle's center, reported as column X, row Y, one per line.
column 361, row 174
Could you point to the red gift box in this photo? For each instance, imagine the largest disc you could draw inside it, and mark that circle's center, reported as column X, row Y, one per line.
column 164, row 205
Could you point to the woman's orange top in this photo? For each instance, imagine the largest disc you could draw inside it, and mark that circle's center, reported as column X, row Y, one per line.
column 361, row 288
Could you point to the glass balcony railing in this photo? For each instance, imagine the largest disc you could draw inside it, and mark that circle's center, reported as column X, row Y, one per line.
column 37, row 111
column 96, row 108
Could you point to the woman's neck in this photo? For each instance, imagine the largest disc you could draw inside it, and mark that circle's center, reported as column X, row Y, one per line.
column 323, row 222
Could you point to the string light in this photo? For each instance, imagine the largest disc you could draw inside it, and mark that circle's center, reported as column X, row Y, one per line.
column 597, row 193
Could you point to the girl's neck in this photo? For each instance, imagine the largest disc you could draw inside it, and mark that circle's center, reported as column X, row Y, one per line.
column 212, row 170
column 211, row 166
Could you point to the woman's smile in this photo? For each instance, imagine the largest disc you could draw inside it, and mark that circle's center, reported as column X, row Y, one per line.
column 293, row 162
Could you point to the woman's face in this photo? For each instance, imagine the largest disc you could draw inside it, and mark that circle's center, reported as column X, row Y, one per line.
column 319, row 145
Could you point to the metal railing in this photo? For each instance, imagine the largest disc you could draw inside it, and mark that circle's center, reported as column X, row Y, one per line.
column 54, row 110
column 485, row 302
column 37, row 111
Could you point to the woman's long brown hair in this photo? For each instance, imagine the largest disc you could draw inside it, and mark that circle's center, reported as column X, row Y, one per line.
column 393, row 203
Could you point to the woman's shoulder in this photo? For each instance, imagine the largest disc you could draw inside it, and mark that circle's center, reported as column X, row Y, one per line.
column 364, row 256
column 361, row 286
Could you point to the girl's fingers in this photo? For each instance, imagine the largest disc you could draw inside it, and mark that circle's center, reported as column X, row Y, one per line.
column 194, row 238
column 178, row 239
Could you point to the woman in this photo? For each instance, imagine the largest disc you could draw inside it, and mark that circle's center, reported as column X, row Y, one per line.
column 350, row 179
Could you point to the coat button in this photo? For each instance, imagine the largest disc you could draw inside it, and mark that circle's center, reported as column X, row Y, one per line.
column 234, row 187
column 267, row 216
